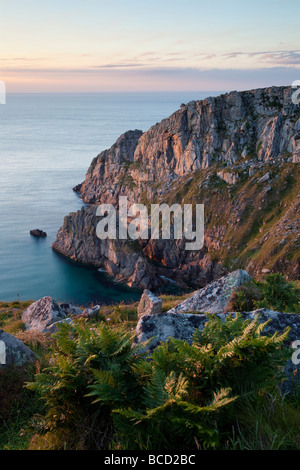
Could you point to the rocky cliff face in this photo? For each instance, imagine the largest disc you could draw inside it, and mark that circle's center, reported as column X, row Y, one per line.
column 107, row 175
column 263, row 123
column 238, row 154
column 77, row 239
column 142, row 264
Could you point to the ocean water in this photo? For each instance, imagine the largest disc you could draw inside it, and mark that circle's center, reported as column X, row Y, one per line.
column 47, row 142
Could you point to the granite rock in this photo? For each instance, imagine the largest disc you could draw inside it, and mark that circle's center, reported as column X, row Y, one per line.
column 42, row 314
column 214, row 298
column 15, row 353
column 157, row 329
column 149, row 304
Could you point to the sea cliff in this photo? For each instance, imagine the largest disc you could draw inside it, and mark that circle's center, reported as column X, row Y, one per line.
column 237, row 153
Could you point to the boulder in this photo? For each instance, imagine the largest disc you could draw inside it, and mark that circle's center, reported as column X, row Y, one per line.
column 252, row 171
column 228, row 177
column 54, row 327
column 158, row 328
column 42, row 314
column 38, row 233
column 69, row 309
column 13, row 352
column 149, row 304
column 264, row 178
column 45, row 314
column 214, row 298
column 90, row 312
column 265, row 271
column 183, row 325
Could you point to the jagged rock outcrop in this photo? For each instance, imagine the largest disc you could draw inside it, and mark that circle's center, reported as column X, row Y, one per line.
column 106, row 168
column 149, row 304
column 77, row 239
column 15, row 353
column 69, row 309
column 42, row 314
column 235, row 153
column 38, row 233
column 215, row 297
column 45, row 314
column 225, row 129
column 183, row 325
column 134, row 263
column 155, row 328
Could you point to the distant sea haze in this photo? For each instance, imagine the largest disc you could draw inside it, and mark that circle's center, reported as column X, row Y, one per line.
column 47, row 142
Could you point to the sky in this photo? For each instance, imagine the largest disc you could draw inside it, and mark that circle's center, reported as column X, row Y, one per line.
column 148, row 45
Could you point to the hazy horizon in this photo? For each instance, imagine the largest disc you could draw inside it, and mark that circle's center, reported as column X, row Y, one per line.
column 136, row 46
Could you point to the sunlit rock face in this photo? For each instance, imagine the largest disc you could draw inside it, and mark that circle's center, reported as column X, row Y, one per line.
column 224, row 129
column 237, row 154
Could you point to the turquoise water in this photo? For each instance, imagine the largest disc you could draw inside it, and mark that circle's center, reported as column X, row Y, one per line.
column 47, row 142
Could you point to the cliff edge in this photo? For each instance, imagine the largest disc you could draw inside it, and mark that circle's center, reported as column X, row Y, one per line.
column 237, row 153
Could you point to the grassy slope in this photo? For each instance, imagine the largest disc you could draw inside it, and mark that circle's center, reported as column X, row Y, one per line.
column 260, row 219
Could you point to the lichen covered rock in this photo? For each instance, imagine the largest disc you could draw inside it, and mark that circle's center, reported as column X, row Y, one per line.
column 213, row 298
column 14, row 353
column 149, row 304
column 157, row 329
column 42, row 314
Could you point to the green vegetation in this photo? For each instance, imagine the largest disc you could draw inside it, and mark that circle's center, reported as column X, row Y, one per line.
column 279, row 294
column 274, row 292
column 245, row 298
column 100, row 392
column 10, row 315
column 259, row 219
column 127, row 180
column 18, row 405
column 91, row 389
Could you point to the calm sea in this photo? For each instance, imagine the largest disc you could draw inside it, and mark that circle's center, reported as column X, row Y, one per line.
column 47, row 142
